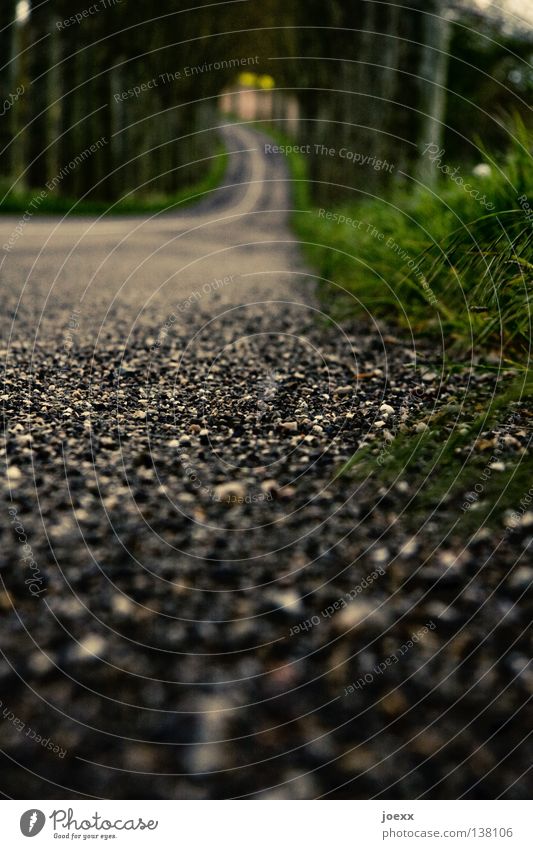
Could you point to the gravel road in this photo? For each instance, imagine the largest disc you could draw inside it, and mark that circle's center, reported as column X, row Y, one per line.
column 193, row 604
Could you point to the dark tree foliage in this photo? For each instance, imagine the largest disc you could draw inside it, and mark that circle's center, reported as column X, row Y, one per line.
column 7, row 82
column 489, row 78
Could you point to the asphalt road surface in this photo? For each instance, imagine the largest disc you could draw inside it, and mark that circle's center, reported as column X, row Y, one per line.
column 193, row 604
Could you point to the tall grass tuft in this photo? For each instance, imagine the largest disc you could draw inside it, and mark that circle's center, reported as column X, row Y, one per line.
column 434, row 258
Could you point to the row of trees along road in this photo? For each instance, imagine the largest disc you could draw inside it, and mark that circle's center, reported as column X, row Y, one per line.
column 369, row 76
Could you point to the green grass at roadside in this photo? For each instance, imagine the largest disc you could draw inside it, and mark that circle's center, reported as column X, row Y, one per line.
column 434, row 259
column 460, row 466
column 438, row 263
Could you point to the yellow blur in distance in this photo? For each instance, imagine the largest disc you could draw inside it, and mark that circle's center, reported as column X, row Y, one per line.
column 264, row 81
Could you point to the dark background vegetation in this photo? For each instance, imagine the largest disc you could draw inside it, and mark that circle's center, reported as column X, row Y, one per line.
column 370, row 76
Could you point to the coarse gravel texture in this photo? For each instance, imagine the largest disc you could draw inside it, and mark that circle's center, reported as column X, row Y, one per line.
column 194, row 604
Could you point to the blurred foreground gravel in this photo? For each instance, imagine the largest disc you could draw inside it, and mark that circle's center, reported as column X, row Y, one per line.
column 193, row 605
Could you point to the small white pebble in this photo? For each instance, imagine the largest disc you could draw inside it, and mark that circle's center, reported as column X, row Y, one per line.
column 381, row 555
column 92, row 644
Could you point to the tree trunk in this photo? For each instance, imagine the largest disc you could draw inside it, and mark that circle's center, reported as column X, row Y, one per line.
column 7, row 83
column 432, row 78
column 40, row 28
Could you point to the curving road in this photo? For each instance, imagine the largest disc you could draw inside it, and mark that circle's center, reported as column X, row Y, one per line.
column 191, row 599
